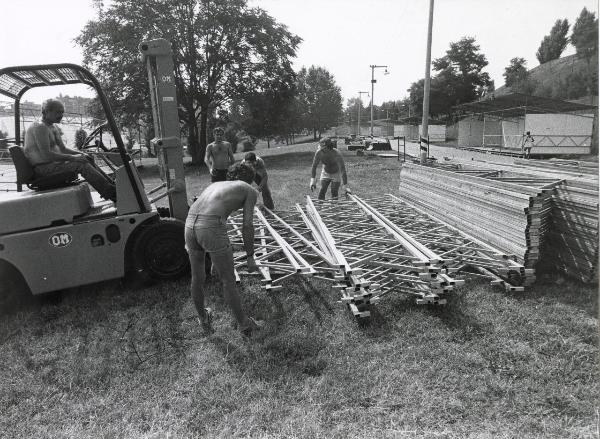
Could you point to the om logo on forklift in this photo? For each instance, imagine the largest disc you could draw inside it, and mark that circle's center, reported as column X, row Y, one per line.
column 61, row 239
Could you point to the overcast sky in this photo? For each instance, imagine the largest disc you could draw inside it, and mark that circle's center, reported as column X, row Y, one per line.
column 344, row 36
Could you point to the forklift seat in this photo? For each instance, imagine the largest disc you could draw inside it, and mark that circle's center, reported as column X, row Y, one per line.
column 26, row 174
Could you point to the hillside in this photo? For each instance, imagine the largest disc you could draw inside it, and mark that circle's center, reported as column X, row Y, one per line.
column 552, row 78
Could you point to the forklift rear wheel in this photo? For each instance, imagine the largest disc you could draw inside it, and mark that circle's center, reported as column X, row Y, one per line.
column 14, row 293
column 159, row 250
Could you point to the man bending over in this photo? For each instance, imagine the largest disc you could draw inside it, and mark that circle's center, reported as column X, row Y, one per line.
column 260, row 178
column 333, row 171
column 48, row 154
column 218, row 157
column 206, row 231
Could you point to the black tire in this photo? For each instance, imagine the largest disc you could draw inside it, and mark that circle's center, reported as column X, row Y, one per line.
column 159, row 250
column 14, row 292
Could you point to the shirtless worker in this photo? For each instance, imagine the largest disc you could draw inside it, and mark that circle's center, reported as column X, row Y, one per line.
column 219, row 156
column 333, row 171
column 206, row 232
column 261, row 178
column 48, row 154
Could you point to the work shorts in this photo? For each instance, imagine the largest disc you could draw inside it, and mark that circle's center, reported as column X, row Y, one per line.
column 218, row 175
column 334, row 177
column 206, row 233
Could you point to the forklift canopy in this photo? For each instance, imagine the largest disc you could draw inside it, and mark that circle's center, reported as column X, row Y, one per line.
column 15, row 81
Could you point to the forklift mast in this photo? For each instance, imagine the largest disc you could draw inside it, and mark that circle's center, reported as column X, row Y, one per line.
column 158, row 57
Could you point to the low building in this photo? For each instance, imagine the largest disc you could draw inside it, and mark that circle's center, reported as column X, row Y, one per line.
column 558, row 127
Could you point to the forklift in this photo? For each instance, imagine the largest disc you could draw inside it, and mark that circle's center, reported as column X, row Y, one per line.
column 60, row 234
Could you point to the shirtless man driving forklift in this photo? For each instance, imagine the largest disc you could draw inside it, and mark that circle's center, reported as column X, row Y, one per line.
column 48, row 154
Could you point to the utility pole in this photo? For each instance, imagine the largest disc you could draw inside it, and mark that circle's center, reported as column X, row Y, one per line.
column 426, row 88
column 373, row 81
column 360, row 93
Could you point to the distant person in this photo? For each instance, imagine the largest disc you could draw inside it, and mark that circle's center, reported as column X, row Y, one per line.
column 206, row 232
column 219, row 156
column 260, row 178
column 48, row 154
column 333, row 172
column 527, row 145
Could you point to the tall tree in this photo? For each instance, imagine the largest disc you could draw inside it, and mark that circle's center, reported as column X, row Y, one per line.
column 271, row 111
column 460, row 74
column 319, row 99
column 221, row 48
column 553, row 45
column 585, row 34
column 516, row 73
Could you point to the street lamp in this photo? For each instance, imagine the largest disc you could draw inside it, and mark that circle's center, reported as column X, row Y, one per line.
column 373, row 81
column 360, row 105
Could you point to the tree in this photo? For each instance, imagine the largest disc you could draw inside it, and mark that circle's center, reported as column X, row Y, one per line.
column 319, row 99
column 585, row 34
column 270, row 111
column 460, row 76
column 80, row 136
column 222, row 49
column 516, row 73
column 553, row 45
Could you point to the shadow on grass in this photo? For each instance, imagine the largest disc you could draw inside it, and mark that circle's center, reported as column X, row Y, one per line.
column 456, row 316
column 584, row 297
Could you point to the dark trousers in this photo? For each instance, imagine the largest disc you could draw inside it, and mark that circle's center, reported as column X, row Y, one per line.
column 335, row 188
column 218, row 175
column 266, row 193
column 88, row 170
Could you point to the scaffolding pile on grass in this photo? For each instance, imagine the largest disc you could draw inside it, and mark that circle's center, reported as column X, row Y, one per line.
column 570, row 241
column 509, row 213
column 369, row 248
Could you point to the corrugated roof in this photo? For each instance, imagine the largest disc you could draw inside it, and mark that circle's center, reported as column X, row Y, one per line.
column 14, row 81
column 518, row 104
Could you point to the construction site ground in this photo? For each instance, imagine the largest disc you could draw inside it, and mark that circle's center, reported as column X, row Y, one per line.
column 122, row 360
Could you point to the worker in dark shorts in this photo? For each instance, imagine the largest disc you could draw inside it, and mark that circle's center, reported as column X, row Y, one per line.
column 219, row 156
column 260, row 178
column 206, row 232
column 333, row 172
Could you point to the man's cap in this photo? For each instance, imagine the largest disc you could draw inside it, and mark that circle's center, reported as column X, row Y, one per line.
column 250, row 157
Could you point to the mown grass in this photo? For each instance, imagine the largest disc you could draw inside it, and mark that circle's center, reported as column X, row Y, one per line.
column 110, row 361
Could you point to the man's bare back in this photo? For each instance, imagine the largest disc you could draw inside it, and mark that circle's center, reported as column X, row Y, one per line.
column 222, row 198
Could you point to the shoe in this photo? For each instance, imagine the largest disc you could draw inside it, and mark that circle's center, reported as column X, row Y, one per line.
column 205, row 321
column 251, row 326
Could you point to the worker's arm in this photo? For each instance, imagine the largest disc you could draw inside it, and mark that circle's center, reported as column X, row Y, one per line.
column 208, row 159
column 230, row 154
column 248, row 227
column 262, row 171
column 342, row 166
column 313, row 170
column 61, row 145
column 42, row 141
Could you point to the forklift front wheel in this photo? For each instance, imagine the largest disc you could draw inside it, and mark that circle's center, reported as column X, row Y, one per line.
column 159, row 250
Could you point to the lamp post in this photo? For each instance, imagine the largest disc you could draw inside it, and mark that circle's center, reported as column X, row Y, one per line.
column 426, row 87
column 360, row 105
column 373, row 81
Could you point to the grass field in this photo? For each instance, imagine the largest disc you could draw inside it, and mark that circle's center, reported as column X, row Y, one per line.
column 107, row 361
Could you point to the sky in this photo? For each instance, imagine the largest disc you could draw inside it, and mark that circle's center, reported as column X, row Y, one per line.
column 343, row 36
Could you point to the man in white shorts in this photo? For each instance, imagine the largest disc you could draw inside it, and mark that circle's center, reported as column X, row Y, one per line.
column 333, row 172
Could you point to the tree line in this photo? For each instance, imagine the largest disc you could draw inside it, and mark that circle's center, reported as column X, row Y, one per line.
column 233, row 67
column 233, row 64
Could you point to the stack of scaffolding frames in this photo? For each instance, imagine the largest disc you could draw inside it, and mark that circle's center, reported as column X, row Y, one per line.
column 371, row 248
